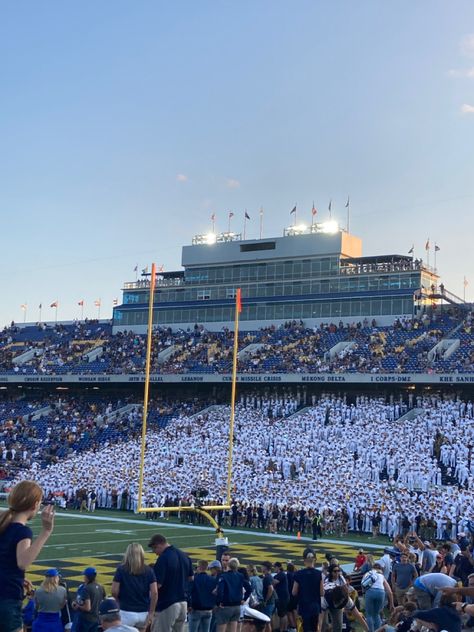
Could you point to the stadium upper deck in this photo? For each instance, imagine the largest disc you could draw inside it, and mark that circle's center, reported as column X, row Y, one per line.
column 316, row 274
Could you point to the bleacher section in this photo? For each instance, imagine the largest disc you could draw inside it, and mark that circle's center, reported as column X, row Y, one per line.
column 90, row 348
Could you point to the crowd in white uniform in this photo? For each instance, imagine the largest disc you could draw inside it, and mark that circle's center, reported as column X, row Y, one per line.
column 331, row 455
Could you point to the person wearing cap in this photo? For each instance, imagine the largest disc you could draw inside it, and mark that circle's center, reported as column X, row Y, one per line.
column 109, row 615
column 86, row 605
column 173, row 571
column 203, row 599
column 215, row 569
column 50, row 599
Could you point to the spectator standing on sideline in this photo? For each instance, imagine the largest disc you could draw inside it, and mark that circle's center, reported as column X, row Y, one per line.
column 18, row 550
column 173, row 571
column 232, row 590
column 308, row 588
column 403, row 576
column 134, row 588
column 203, row 599
column 50, row 599
column 89, row 596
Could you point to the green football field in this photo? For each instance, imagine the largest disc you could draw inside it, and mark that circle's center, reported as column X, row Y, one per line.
column 100, row 539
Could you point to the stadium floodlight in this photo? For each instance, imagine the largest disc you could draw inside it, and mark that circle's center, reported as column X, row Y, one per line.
column 198, row 506
column 330, row 227
column 211, row 238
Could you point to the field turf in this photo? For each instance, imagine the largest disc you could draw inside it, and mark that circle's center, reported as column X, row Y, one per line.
column 100, row 539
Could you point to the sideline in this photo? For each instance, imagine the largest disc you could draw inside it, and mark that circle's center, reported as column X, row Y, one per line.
column 228, row 533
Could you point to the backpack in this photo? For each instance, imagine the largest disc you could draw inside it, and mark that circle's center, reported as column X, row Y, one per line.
column 369, row 579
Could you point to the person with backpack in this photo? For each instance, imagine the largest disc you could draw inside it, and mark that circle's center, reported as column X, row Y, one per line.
column 376, row 587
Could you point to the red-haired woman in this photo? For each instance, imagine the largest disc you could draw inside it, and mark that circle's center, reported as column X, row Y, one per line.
column 18, row 550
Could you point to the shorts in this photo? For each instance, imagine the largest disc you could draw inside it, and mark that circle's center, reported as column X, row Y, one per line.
column 268, row 609
column 10, row 615
column 282, row 608
column 133, row 619
column 292, row 604
column 226, row 614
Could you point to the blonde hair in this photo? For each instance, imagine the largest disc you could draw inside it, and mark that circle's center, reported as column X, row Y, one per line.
column 234, row 563
column 23, row 497
column 50, row 583
column 134, row 559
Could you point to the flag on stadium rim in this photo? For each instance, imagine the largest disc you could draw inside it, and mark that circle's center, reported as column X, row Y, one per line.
column 313, row 210
column 293, row 210
column 115, row 301
column 247, row 216
column 81, row 303
column 437, row 248
column 135, row 269
column 97, row 302
column 412, row 250
column 427, row 245
column 466, row 282
column 231, row 214
column 348, row 202
column 213, row 217
column 40, row 306
column 55, row 304
column 24, row 306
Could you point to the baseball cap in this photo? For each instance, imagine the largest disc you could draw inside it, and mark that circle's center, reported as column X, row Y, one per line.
column 215, row 564
column 52, row 572
column 89, row 571
column 108, row 606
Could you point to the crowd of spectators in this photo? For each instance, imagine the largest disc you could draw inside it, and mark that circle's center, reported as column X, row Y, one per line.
column 332, row 458
column 408, row 345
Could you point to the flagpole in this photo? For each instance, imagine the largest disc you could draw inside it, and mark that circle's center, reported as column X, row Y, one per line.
column 261, row 222
column 98, row 309
column 296, row 213
column 40, row 307
column 147, row 384
column 435, row 251
column 230, row 217
column 82, row 311
column 56, row 312
column 238, row 304
column 348, row 214
column 245, row 222
column 213, row 219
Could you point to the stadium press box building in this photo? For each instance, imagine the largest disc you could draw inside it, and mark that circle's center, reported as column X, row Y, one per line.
column 315, row 274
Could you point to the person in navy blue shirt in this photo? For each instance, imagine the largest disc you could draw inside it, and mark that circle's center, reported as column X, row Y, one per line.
column 173, row 571
column 203, row 599
column 18, row 550
column 134, row 588
column 232, row 590
column 308, row 587
column 280, row 583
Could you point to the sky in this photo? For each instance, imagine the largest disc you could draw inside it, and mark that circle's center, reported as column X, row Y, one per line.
column 125, row 125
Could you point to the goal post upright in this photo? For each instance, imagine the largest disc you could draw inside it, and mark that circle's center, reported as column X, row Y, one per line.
column 202, row 509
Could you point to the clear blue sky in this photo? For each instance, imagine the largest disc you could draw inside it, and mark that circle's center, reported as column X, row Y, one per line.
column 124, row 125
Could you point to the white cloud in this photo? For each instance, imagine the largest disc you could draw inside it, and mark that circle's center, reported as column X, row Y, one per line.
column 232, row 183
column 181, row 178
column 467, row 73
column 467, row 109
column 467, row 45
